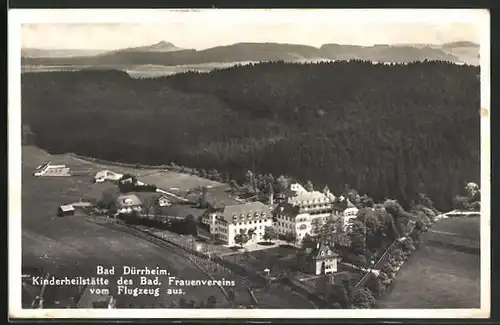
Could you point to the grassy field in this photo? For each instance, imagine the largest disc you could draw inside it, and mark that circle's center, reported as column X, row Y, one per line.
column 167, row 180
column 73, row 246
column 436, row 276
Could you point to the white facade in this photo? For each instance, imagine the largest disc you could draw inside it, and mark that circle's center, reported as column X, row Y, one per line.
column 243, row 217
column 51, row 170
column 308, row 206
column 349, row 215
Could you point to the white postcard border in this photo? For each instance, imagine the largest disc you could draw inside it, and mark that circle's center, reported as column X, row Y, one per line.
column 16, row 17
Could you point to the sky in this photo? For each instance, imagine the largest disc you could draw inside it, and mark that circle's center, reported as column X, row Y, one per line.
column 199, row 29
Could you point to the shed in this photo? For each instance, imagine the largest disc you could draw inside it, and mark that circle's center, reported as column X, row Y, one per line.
column 65, row 210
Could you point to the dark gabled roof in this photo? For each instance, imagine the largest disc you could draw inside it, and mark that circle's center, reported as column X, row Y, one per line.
column 323, row 252
column 244, row 211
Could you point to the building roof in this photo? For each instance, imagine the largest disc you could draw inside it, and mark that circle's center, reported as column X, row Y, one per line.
column 246, row 211
column 323, row 252
column 127, row 200
column 298, row 195
column 66, row 208
column 309, row 198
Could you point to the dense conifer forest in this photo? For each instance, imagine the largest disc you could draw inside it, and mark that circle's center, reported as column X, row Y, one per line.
column 387, row 130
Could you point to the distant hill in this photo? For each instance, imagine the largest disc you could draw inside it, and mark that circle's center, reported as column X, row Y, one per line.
column 166, row 53
column 57, row 53
column 162, row 46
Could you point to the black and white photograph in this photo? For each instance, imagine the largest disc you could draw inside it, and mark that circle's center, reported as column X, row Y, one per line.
column 244, row 163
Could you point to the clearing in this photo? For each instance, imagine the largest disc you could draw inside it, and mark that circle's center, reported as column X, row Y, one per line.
column 444, row 272
column 73, row 246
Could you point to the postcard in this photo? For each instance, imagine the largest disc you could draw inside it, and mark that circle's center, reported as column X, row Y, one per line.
column 254, row 164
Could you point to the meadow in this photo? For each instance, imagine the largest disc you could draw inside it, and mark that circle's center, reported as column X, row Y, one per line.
column 436, row 276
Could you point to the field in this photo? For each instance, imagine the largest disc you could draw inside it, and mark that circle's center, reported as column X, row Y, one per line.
column 441, row 274
column 164, row 179
column 73, row 246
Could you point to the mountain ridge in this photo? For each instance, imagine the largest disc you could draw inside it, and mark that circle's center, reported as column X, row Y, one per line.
column 166, row 53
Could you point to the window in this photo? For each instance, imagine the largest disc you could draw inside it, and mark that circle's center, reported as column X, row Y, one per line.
column 323, row 253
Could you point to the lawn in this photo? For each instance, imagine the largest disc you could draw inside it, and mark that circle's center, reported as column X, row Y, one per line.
column 436, row 276
column 276, row 259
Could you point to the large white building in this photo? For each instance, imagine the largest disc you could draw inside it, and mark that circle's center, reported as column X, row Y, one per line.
column 251, row 218
column 301, row 207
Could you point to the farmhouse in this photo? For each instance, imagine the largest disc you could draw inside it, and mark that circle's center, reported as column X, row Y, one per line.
column 321, row 260
column 252, row 218
column 47, row 169
column 65, row 210
column 107, row 175
column 163, row 201
column 128, row 204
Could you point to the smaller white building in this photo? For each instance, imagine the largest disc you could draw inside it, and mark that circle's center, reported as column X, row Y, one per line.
column 163, row 201
column 128, row 204
column 107, row 175
column 47, row 169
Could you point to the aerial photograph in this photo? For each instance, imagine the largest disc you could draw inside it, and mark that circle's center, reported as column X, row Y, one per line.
column 251, row 163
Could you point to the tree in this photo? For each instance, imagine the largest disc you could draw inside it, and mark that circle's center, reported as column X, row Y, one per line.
column 241, row 238
column 290, row 237
column 107, row 200
column 363, row 299
column 28, row 137
column 366, row 201
column 309, row 186
column 461, row 203
column 251, row 181
column 234, row 185
column 338, row 294
column 270, row 233
column 353, row 196
column 316, row 226
column 211, row 302
column 127, row 183
column 358, row 237
column 282, row 184
column 308, row 241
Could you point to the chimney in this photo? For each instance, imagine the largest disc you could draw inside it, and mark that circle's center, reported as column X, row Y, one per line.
column 271, row 198
column 317, row 246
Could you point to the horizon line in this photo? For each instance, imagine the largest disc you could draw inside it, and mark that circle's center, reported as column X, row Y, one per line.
column 244, row 42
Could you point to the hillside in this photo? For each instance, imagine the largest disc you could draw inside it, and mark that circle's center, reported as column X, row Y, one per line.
column 165, row 53
column 390, row 131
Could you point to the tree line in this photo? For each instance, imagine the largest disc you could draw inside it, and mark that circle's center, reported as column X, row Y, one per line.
column 386, row 130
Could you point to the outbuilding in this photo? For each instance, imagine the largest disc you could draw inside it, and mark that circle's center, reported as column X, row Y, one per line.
column 65, row 210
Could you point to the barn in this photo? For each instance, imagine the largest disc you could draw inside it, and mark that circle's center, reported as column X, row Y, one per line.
column 65, row 210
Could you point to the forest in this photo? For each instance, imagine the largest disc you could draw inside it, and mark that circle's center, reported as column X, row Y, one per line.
column 390, row 131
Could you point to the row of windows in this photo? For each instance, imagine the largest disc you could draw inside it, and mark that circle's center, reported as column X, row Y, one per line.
column 317, row 206
column 249, row 215
column 250, row 222
column 221, row 230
